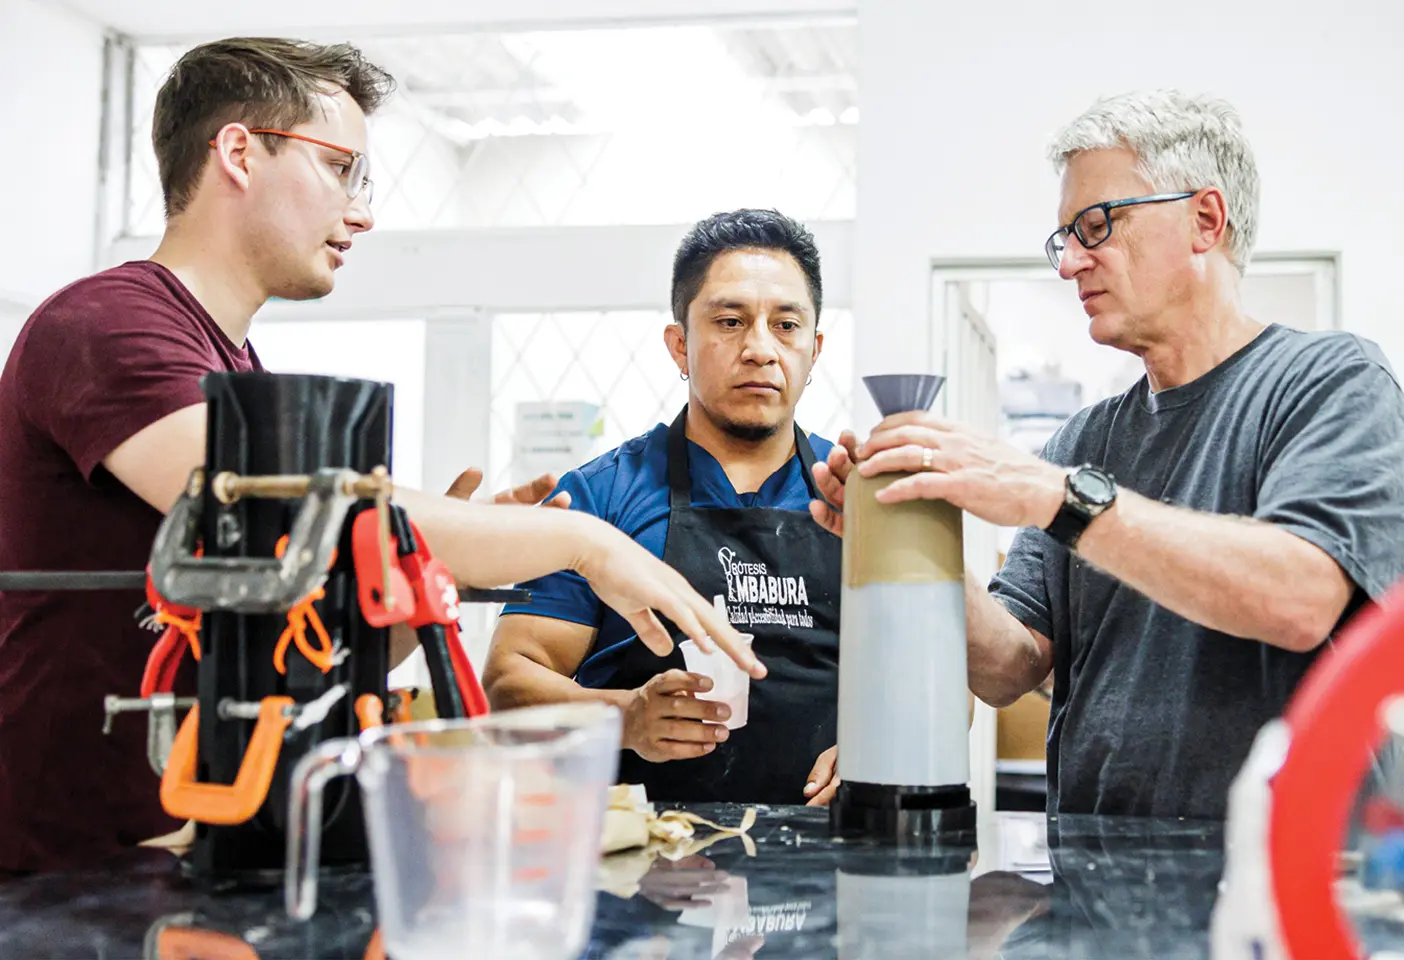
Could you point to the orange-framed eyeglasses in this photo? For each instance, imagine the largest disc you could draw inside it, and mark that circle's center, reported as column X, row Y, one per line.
column 355, row 179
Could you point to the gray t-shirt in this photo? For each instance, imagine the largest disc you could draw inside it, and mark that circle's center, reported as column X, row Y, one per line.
column 1152, row 714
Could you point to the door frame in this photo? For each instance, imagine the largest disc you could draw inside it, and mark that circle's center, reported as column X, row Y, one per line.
column 945, row 295
column 1326, row 265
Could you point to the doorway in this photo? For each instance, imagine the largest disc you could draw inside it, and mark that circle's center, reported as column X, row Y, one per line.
column 1012, row 337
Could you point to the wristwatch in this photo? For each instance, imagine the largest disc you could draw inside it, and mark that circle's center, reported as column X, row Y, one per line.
column 1087, row 494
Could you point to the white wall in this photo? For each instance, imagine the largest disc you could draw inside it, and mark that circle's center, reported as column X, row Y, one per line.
column 50, row 109
column 388, row 351
column 13, row 311
column 959, row 101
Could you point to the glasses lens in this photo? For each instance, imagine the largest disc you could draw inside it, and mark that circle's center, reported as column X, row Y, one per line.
column 356, row 175
column 1054, row 248
column 1092, row 227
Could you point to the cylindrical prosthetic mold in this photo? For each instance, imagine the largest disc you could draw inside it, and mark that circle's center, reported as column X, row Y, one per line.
column 903, row 733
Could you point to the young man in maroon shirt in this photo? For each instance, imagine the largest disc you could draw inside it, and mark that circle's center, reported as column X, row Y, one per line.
column 261, row 147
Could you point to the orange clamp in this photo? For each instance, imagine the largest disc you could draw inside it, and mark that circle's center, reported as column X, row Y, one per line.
column 281, row 547
column 400, row 709
column 370, row 711
column 299, row 618
column 189, row 627
column 191, row 943
column 323, row 657
column 185, row 798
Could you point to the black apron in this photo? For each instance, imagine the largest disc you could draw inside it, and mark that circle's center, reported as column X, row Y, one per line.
column 780, row 573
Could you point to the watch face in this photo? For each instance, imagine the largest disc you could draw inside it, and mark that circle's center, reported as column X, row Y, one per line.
column 1093, row 486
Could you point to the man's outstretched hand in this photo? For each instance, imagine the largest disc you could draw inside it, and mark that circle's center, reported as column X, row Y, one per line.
column 528, row 494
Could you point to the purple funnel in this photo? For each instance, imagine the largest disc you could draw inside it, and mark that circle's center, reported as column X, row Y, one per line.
column 900, row 392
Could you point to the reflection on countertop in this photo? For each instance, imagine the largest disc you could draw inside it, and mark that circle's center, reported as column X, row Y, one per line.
column 1104, row 887
column 141, row 906
column 1075, row 887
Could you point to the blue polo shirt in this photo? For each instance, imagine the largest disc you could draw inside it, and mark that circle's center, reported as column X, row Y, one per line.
column 628, row 487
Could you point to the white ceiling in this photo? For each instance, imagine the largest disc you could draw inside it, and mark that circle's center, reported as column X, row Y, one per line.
column 588, row 80
column 469, row 84
column 182, row 18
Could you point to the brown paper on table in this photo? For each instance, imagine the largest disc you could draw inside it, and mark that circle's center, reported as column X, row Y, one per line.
column 916, row 541
column 635, row 834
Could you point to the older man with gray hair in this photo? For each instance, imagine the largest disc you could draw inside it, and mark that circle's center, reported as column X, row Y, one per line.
column 1187, row 546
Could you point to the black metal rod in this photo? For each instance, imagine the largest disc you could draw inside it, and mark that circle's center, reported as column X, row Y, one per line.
column 73, row 580
column 474, row 595
column 136, row 580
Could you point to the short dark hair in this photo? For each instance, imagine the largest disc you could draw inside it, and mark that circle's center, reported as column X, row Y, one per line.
column 259, row 81
column 739, row 230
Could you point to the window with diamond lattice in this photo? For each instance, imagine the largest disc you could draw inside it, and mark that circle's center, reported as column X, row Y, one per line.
column 624, row 125
column 616, row 362
column 145, row 213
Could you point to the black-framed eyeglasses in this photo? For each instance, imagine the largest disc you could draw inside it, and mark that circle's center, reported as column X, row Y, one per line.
column 1093, row 226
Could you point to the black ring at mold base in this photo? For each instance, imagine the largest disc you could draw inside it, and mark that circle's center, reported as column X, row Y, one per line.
column 892, row 813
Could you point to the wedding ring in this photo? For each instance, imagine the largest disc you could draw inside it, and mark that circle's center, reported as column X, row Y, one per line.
column 926, row 458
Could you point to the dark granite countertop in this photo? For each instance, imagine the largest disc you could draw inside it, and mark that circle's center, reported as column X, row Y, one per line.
column 1076, row 887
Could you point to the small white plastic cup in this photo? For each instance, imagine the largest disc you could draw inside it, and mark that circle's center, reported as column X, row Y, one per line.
column 730, row 684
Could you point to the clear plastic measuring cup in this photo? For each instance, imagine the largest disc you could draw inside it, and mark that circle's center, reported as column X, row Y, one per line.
column 484, row 833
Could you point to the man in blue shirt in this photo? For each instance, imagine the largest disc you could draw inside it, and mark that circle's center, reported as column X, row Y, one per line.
column 722, row 496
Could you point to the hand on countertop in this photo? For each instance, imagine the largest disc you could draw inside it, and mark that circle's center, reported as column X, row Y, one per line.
column 683, row 884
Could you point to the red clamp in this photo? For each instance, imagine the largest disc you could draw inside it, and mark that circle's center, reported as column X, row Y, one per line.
column 436, row 602
column 182, row 631
column 1335, row 722
column 421, row 593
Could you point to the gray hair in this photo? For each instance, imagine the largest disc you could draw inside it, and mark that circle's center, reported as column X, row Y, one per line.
column 1181, row 143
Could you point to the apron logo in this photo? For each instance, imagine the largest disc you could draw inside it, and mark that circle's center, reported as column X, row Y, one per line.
column 727, row 556
column 748, row 583
column 783, row 918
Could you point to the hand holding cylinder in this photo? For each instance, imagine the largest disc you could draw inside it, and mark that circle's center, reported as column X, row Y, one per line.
column 830, row 477
column 978, row 473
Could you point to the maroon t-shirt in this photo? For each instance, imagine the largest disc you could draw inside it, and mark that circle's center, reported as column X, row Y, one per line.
column 97, row 362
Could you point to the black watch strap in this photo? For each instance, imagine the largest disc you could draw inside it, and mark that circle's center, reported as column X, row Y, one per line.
column 1068, row 526
column 1088, row 493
